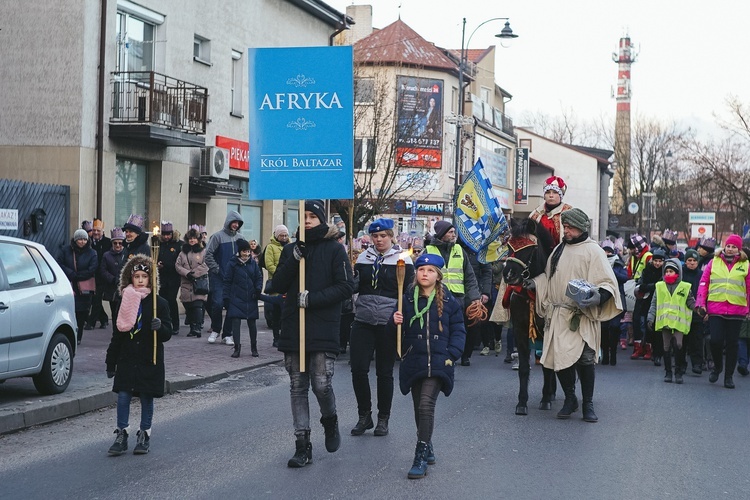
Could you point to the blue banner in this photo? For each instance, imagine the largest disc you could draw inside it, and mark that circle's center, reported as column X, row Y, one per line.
column 301, row 118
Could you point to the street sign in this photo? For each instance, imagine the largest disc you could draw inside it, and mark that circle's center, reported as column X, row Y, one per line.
column 701, row 217
column 633, row 208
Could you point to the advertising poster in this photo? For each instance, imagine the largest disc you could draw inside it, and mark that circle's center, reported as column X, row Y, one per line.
column 522, row 176
column 301, row 117
column 419, row 135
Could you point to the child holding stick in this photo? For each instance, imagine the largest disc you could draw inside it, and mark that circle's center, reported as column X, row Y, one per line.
column 434, row 337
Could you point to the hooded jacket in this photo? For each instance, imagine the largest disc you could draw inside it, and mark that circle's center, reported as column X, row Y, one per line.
column 671, row 288
column 272, row 255
column 242, row 285
column 329, row 281
column 723, row 308
column 378, row 298
column 139, row 245
column 222, row 245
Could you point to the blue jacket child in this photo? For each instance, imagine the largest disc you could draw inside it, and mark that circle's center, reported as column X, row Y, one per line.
column 242, row 285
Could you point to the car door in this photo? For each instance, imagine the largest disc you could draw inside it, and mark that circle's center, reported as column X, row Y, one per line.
column 30, row 305
column 4, row 323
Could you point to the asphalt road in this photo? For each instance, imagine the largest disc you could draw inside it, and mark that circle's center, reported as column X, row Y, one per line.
column 232, row 439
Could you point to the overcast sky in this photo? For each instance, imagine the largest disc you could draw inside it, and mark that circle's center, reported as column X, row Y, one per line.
column 692, row 54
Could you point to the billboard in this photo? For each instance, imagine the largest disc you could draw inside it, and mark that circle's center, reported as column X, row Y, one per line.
column 419, row 114
column 522, row 176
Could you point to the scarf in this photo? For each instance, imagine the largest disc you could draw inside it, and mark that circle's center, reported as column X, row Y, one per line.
column 376, row 270
column 559, row 250
column 130, row 307
column 420, row 313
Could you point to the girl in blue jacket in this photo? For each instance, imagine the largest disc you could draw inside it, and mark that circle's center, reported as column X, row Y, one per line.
column 433, row 339
column 242, row 284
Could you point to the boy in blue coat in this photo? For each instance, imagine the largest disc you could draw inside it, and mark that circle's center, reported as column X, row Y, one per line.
column 242, row 283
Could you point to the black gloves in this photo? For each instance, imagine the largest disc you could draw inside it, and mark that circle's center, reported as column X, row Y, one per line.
column 155, row 324
column 110, row 373
column 191, row 276
column 303, row 298
column 300, row 250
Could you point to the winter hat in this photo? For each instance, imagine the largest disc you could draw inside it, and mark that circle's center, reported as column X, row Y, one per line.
column 134, row 223
column 708, row 244
column 659, row 253
column 691, row 254
column 674, row 264
column 608, row 246
column 318, row 208
column 380, row 225
column 86, row 225
column 577, row 218
column 80, row 234
column 166, row 227
column 637, row 242
column 556, row 184
column 429, row 259
column 242, row 245
column 669, row 237
column 733, row 239
column 280, row 229
column 441, row 227
column 116, row 234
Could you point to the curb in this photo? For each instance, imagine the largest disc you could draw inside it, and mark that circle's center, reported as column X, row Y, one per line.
column 61, row 410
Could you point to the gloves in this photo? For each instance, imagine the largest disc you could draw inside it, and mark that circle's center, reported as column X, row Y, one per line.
column 300, row 250
column 529, row 284
column 191, row 276
column 110, row 373
column 155, row 324
column 591, row 301
column 303, row 298
column 651, row 325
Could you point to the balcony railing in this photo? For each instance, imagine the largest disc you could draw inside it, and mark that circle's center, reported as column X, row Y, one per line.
column 491, row 116
column 142, row 97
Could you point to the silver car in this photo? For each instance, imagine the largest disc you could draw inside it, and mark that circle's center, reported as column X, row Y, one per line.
column 37, row 317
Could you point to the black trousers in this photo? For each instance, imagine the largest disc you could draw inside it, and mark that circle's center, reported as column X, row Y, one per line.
column 365, row 340
column 725, row 334
column 424, row 394
column 97, row 310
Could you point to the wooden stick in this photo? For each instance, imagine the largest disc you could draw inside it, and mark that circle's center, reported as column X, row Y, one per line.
column 154, row 271
column 302, row 343
column 400, row 275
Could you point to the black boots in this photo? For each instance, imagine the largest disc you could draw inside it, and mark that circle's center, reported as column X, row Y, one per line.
column 143, row 441
column 195, row 330
column 668, row 367
column 419, row 466
column 364, row 423
column 237, row 349
column 382, row 428
column 331, row 429
column 728, row 382
column 303, row 455
column 586, row 372
column 567, row 378
column 120, row 445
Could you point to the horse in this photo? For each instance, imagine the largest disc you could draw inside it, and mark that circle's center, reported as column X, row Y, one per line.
column 526, row 259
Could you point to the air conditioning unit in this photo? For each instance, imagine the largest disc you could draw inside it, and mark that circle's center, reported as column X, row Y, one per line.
column 215, row 163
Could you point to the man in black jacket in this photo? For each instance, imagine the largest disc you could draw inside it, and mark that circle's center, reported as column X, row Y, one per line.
column 170, row 246
column 328, row 281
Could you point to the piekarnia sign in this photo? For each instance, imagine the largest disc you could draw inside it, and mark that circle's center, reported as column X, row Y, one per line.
column 301, row 102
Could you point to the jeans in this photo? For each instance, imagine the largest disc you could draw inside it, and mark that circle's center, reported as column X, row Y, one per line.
column 319, row 372
column 725, row 335
column 365, row 340
column 251, row 327
column 424, row 395
column 216, row 301
column 123, row 410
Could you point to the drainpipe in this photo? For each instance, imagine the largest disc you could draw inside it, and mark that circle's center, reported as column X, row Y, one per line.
column 343, row 26
column 100, row 110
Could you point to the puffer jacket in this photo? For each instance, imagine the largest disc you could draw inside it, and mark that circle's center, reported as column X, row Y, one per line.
column 723, row 308
column 191, row 259
column 425, row 348
column 109, row 272
column 242, row 285
column 139, row 245
column 271, row 256
column 79, row 264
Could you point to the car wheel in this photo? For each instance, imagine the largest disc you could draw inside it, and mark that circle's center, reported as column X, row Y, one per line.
column 57, row 368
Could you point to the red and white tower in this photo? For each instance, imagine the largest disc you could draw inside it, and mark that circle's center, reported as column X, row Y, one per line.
column 624, row 58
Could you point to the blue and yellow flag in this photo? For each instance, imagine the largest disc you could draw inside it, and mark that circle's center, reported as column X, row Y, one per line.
column 480, row 221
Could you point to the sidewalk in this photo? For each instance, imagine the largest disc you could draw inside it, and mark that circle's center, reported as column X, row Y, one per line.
column 189, row 362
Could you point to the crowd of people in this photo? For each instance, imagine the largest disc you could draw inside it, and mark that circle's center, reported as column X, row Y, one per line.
column 671, row 307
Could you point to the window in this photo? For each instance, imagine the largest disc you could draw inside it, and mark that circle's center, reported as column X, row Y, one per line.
column 49, row 275
column 364, row 90
column 130, row 190
column 364, row 154
column 136, row 34
column 201, row 50
column 485, row 94
column 19, row 266
column 251, row 212
column 237, row 72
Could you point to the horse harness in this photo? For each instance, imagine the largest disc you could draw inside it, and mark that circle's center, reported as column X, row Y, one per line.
column 516, row 245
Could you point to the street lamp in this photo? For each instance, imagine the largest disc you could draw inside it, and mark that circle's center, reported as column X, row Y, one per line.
column 506, row 35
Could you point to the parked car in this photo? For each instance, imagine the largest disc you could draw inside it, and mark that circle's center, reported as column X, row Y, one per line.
column 37, row 317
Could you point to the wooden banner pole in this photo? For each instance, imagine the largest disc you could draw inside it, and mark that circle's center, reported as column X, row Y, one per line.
column 302, row 287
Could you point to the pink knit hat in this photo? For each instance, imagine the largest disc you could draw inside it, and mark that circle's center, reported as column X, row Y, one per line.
column 733, row 239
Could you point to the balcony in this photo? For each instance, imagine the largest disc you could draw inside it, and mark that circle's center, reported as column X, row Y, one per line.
column 159, row 109
column 482, row 111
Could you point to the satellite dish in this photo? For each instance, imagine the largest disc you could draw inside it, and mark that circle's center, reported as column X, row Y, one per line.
column 633, row 208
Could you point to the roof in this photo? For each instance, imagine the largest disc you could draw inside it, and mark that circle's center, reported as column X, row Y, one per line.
column 324, row 12
column 398, row 43
column 598, row 154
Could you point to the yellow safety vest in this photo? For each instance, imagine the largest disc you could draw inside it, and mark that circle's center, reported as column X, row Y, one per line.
column 728, row 285
column 640, row 266
column 453, row 275
column 671, row 308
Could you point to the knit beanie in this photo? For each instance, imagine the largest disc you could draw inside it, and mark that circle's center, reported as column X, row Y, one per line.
column 691, row 254
column 80, row 234
column 242, row 245
column 733, row 239
column 280, row 229
column 674, row 264
column 577, row 218
column 318, row 208
column 638, row 243
column 441, row 227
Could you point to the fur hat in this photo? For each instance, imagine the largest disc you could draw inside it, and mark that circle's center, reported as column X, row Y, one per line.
column 556, row 184
column 733, row 239
column 429, row 259
column 80, row 234
column 637, row 242
column 280, row 229
column 242, row 245
column 708, row 244
column 577, row 218
column 143, row 263
column 380, row 225
column 86, row 225
column 318, row 208
column 441, row 227
column 166, row 227
column 134, row 223
column 669, row 237
column 691, row 254
column 116, row 234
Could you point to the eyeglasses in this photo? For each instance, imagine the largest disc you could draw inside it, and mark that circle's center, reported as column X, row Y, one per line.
column 117, row 243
